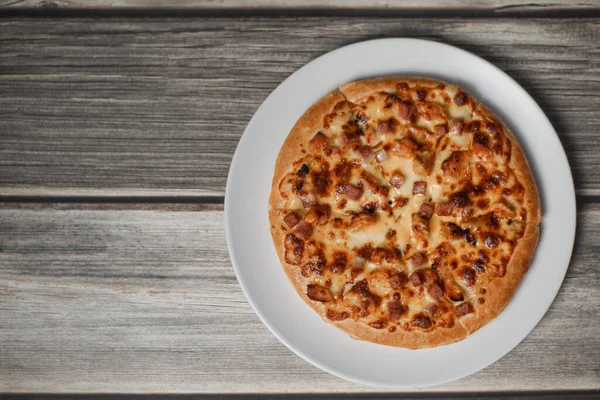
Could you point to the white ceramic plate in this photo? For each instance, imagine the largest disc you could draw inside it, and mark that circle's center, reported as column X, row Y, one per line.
column 264, row 281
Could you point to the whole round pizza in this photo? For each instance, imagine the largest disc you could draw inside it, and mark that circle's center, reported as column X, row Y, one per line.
column 403, row 211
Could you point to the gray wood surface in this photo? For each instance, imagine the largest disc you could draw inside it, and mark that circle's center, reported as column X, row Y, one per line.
column 494, row 5
column 140, row 299
column 155, row 106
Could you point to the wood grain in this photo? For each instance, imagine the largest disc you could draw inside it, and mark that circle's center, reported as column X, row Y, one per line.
column 494, row 5
column 146, row 301
column 155, row 106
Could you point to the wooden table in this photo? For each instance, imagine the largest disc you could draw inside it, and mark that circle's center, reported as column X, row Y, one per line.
column 117, row 129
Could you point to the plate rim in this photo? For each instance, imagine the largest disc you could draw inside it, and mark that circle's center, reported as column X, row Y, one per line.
column 236, row 265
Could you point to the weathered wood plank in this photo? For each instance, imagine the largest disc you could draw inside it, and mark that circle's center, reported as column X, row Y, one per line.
column 146, row 301
column 493, row 5
column 134, row 106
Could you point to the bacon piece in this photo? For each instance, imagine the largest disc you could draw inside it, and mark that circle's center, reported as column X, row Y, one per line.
column 415, row 279
column 318, row 293
column 304, row 230
column 435, row 292
column 440, row 130
column 418, row 259
column 463, row 309
column 397, row 179
column 396, row 310
column 319, row 144
column 291, row 219
column 388, row 126
column 307, row 199
column 444, row 209
column 405, row 111
column 405, row 148
column 426, row 210
column 399, row 280
column 419, row 188
column 366, row 152
column 350, row 191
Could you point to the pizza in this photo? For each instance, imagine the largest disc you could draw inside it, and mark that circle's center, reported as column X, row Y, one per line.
column 403, row 211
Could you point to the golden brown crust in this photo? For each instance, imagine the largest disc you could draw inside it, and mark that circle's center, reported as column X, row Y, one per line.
column 414, row 339
column 501, row 289
column 359, row 89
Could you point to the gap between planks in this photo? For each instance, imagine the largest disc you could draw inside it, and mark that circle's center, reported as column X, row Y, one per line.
column 167, row 204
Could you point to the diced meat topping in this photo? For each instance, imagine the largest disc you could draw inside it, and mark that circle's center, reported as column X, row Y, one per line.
column 444, row 209
column 419, row 188
column 440, row 130
column 426, row 210
column 387, row 126
column 350, row 191
column 318, row 293
column 463, row 309
column 319, row 144
column 366, row 152
column 435, row 292
column 415, row 279
column 304, row 230
column 398, row 280
column 418, row 259
column 291, row 219
column 397, row 179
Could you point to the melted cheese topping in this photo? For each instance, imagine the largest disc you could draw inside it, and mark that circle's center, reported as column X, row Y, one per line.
column 404, row 210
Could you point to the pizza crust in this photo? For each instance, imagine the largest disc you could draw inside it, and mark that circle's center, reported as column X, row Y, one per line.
column 502, row 288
